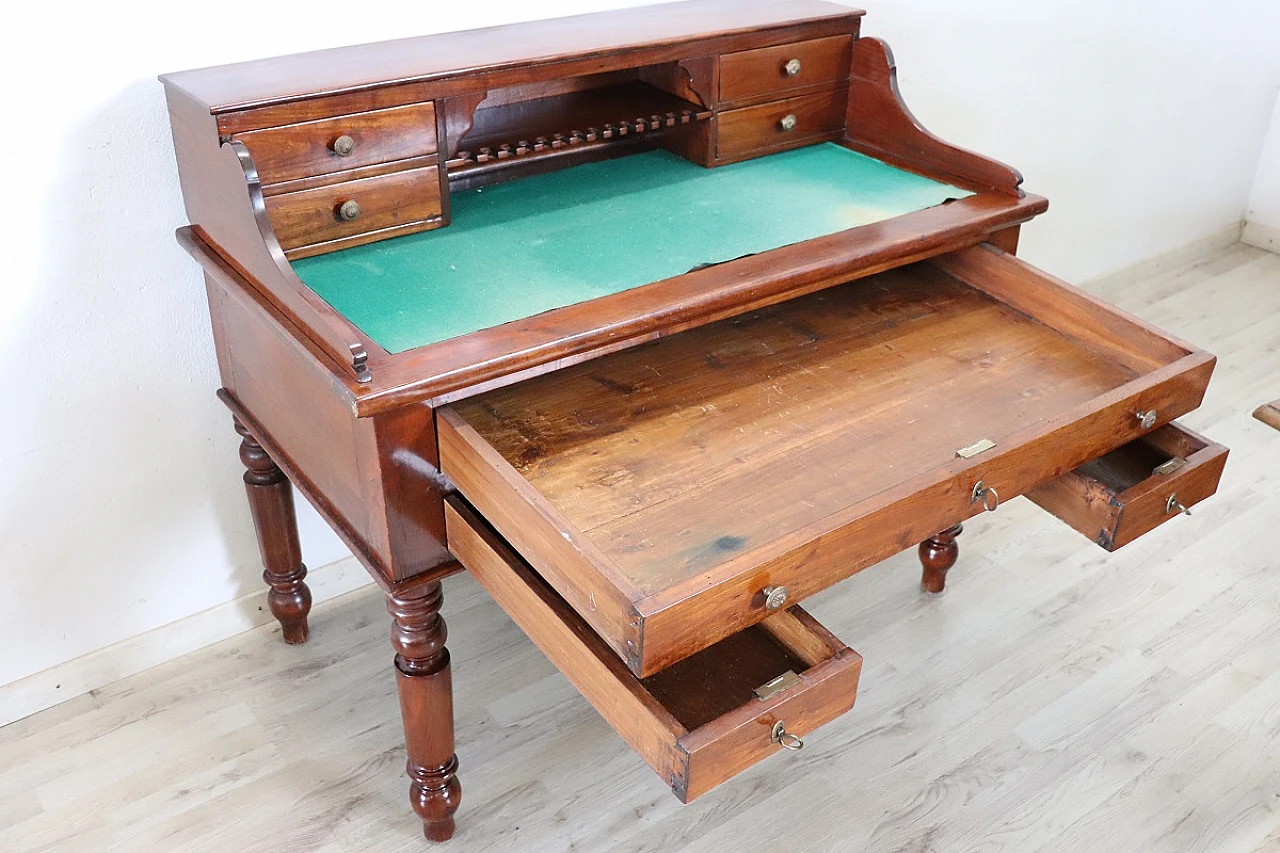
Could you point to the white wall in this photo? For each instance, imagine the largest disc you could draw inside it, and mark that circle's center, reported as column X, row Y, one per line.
column 1262, row 226
column 121, row 507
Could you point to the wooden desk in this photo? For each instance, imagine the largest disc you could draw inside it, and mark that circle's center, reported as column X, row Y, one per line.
column 658, row 322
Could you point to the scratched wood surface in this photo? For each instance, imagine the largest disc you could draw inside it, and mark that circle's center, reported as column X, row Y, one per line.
column 1055, row 699
column 700, row 436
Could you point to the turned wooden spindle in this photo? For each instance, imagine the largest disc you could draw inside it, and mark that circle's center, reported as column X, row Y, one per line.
column 426, row 704
column 938, row 553
column 271, row 505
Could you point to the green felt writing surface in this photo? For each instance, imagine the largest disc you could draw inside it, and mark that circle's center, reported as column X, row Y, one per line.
column 528, row 246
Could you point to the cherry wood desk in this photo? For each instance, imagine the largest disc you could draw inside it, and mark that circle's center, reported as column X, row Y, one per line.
column 656, row 321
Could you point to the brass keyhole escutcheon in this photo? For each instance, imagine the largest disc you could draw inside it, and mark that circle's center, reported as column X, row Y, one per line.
column 349, row 211
column 792, row 68
column 774, row 597
column 784, row 738
column 788, row 123
column 344, row 145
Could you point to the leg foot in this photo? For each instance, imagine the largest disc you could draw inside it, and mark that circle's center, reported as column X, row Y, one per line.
column 426, row 704
column 271, row 503
column 938, row 553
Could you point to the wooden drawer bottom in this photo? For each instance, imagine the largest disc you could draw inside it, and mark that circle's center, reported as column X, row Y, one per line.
column 701, row 721
column 1134, row 489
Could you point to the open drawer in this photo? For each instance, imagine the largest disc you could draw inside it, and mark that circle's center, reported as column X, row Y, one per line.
column 1134, row 489
column 677, row 492
column 697, row 723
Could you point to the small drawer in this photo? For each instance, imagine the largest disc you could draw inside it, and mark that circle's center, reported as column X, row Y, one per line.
column 356, row 211
column 1130, row 491
column 698, row 722
column 771, row 70
column 346, row 142
column 778, row 125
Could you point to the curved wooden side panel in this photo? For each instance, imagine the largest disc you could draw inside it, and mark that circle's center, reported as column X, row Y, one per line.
column 224, row 202
column 878, row 123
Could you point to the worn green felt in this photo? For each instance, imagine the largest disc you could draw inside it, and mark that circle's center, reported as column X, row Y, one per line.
column 528, row 246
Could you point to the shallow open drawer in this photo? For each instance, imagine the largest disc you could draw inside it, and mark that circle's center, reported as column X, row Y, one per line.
column 676, row 492
column 697, row 723
column 1134, row 489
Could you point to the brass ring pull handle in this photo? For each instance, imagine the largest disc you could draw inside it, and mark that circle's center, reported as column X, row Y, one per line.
column 1174, row 504
column 774, row 597
column 1147, row 419
column 982, row 492
column 788, row 123
column 784, row 738
column 344, row 145
column 792, row 68
column 349, row 211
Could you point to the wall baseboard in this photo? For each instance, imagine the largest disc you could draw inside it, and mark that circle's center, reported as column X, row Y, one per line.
column 78, row 676
column 1262, row 236
column 1181, row 256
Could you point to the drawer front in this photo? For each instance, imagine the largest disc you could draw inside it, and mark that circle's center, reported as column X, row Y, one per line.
column 696, row 724
column 778, row 125
column 404, row 201
column 1134, row 489
column 770, row 70
column 346, row 142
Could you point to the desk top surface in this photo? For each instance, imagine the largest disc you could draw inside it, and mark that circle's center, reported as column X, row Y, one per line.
column 518, row 249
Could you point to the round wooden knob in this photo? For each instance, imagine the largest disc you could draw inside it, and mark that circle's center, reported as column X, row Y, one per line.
column 343, row 145
column 350, row 210
column 792, row 68
column 788, row 123
column 775, row 597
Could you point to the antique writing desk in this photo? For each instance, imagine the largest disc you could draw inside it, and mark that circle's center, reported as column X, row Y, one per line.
column 657, row 322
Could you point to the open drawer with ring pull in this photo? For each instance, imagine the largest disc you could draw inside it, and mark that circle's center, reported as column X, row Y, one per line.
column 682, row 490
column 696, row 723
column 1130, row 491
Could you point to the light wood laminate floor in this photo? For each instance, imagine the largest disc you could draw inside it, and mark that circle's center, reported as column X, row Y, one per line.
column 1056, row 698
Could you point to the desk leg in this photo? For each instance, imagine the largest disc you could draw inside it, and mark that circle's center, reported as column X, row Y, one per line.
column 938, row 553
column 271, row 503
column 426, row 704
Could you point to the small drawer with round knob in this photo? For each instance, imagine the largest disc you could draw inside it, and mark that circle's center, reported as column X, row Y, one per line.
column 775, row 126
column 325, row 146
column 770, row 71
column 320, row 219
column 1130, row 491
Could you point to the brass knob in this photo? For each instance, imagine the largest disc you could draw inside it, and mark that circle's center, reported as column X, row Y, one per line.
column 343, row 145
column 792, row 68
column 784, row 738
column 788, row 122
column 775, row 597
column 350, row 210
column 1173, row 504
column 1147, row 419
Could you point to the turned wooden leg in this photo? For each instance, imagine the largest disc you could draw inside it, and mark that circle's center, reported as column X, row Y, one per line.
column 271, row 503
column 937, row 554
column 426, row 704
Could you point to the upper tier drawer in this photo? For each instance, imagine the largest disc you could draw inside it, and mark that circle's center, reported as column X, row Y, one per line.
column 346, row 142
column 352, row 212
column 676, row 492
column 769, row 70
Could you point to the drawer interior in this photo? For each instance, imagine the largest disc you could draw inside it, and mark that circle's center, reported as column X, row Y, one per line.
column 701, row 721
column 661, row 489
